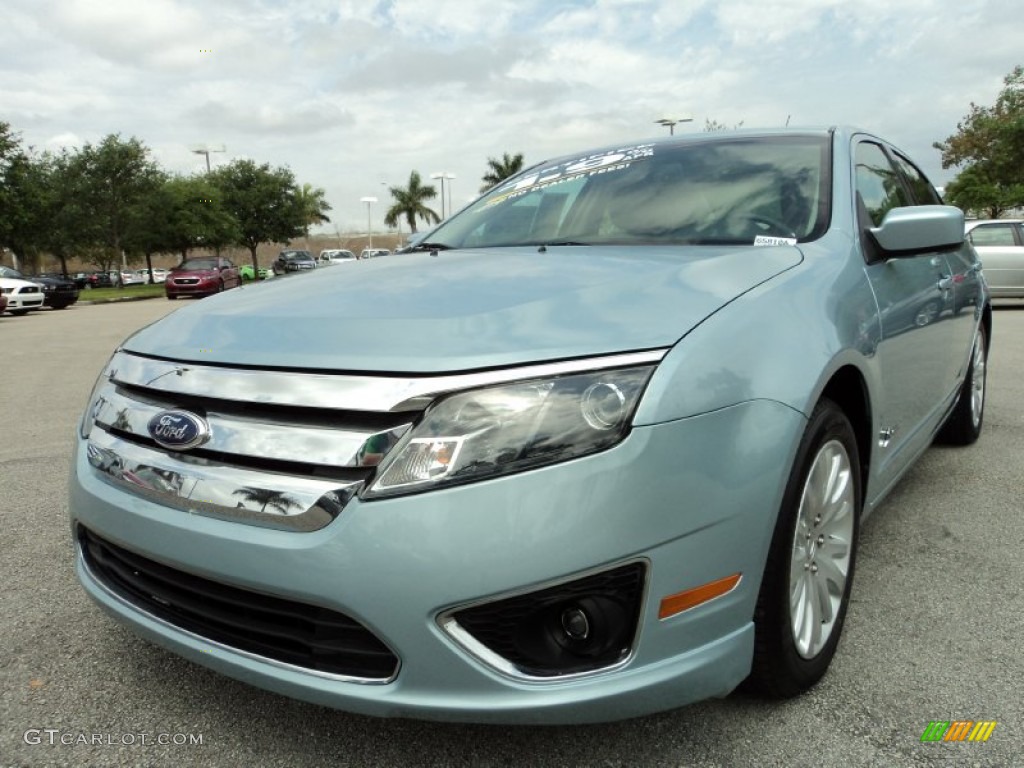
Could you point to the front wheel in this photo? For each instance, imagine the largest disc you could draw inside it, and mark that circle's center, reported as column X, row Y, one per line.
column 805, row 590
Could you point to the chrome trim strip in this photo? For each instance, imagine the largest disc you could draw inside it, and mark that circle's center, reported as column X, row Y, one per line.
column 338, row 391
column 244, row 436
column 468, row 643
column 196, row 486
column 247, row 654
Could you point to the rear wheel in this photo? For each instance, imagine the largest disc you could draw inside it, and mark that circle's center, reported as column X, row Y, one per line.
column 806, row 586
column 963, row 426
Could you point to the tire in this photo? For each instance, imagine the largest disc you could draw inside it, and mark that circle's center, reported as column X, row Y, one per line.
column 18, row 312
column 805, row 590
column 171, row 297
column 963, row 426
column 927, row 313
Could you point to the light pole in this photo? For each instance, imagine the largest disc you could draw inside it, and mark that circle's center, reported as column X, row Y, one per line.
column 369, row 229
column 442, row 177
column 672, row 122
column 206, row 149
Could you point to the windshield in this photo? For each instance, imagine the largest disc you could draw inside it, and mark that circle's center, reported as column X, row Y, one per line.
column 11, row 273
column 197, row 264
column 737, row 191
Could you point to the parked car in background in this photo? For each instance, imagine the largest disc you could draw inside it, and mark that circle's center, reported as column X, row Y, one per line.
column 94, row 280
column 246, row 272
column 159, row 275
column 331, row 256
column 1000, row 246
column 372, row 253
column 293, row 261
column 411, row 242
column 129, row 277
column 59, row 291
column 22, row 295
column 201, row 277
column 607, row 452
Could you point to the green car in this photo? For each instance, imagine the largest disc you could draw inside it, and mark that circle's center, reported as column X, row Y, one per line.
column 246, row 272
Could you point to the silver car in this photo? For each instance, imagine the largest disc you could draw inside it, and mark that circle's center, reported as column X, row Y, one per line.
column 1000, row 246
column 600, row 445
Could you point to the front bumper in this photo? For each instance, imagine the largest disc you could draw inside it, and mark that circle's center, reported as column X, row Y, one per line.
column 16, row 302
column 202, row 288
column 694, row 500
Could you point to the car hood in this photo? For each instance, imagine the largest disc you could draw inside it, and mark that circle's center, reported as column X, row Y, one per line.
column 464, row 310
column 13, row 282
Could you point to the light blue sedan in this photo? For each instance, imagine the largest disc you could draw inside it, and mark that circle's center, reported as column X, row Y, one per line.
column 600, row 446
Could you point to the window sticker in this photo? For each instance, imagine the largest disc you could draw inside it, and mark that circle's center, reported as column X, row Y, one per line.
column 770, row 240
column 570, row 170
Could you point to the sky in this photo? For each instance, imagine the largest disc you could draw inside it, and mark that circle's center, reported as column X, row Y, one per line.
column 353, row 96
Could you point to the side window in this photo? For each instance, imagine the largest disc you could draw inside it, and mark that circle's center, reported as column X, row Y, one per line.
column 992, row 234
column 877, row 182
column 924, row 192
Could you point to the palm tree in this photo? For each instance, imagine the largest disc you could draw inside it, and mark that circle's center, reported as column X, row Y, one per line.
column 509, row 165
column 266, row 498
column 312, row 205
column 409, row 203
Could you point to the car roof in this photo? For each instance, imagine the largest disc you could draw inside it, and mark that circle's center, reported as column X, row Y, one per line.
column 972, row 223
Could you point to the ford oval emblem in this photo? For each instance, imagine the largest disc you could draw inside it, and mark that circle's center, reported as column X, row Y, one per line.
column 178, row 430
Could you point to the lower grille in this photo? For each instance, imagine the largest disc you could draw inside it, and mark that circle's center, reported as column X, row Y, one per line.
column 283, row 630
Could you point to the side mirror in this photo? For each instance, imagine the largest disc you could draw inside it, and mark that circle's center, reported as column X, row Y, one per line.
column 918, row 229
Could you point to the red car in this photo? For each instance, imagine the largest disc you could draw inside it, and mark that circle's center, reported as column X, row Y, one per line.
column 201, row 277
column 3, row 303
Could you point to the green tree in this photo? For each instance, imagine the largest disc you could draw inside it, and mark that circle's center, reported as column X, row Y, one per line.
column 116, row 175
column 263, row 202
column 182, row 213
column 18, row 195
column 314, row 206
column 409, row 203
column 499, row 170
column 988, row 147
column 975, row 193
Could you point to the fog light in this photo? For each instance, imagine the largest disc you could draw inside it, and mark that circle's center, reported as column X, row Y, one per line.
column 575, row 623
column 572, row 628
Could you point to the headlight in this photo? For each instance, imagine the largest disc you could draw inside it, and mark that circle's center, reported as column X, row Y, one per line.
column 94, row 403
column 495, row 431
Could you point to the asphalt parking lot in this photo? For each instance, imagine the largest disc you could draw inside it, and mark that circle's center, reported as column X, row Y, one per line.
column 934, row 630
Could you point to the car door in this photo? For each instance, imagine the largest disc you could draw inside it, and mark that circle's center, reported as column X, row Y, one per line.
column 1000, row 245
column 965, row 274
column 915, row 296
column 229, row 274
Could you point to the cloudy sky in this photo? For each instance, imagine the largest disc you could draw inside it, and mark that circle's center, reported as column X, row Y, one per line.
column 353, row 95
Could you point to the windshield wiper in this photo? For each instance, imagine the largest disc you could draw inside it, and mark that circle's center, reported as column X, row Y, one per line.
column 431, row 247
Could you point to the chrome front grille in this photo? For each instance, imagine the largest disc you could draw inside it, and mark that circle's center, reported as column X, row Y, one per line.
column 270, row 459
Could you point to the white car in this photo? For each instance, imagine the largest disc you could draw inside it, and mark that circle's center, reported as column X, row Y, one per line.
column 159, row 275
column 131, row 278
column 372, row 253
column 22, row 295
column 335, row 256
column 1000, row 246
